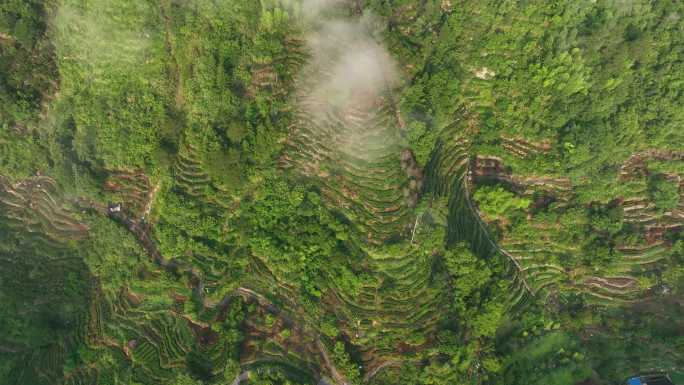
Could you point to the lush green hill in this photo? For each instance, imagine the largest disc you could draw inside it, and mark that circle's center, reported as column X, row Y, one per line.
column 341, row 191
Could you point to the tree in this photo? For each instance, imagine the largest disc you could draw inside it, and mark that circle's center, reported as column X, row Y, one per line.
column 469, row 276
column 664, row 192
column 499, row 204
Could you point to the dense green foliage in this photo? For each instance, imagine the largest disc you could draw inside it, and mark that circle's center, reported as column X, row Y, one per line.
column 183, row 202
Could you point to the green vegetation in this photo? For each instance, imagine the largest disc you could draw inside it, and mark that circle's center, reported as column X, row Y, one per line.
column 497, row 202
column 375, row 192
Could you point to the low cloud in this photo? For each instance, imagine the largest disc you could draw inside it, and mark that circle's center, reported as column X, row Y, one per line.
column 348, row 66
column 348, row 62
column 314, row 8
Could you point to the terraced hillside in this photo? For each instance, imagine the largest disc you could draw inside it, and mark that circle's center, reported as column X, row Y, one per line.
column 41, row 279
column 553, row 255
column 393, row 314
column 347, row 136
column 550, row 259
column 341, row 192
column 33, row 206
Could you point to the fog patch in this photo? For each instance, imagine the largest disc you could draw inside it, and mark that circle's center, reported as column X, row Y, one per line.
column 349, row 63
column 349, row 69
column 312, row 9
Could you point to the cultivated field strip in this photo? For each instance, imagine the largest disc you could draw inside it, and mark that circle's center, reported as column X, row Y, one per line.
column 393, row 313
column 191, row 177
column 35, row 206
